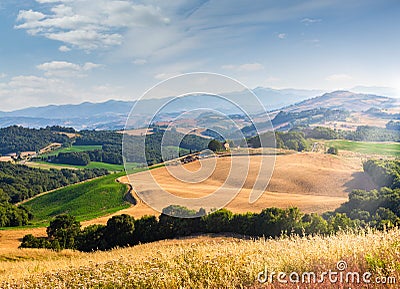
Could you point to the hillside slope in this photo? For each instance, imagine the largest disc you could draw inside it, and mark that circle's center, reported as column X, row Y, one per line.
column 345, row 100
column 311, row 181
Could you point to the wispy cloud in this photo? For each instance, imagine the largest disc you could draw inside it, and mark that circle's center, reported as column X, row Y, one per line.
column 139, row 61
column 27, row 90
column 246, row 67
column 339, row 77
column 89, row 24
column 64, row 48
column 308, row 21
column 66, row 69
column 272, row 79
column 282, row 35
column 166, row 75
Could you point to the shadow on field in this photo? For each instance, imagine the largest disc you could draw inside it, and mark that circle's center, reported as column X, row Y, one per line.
column 360, row 180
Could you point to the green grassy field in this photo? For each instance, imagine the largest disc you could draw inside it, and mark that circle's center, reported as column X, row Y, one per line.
column 82, row 148
column 391, row 149
column 91, row 165
column 86, row 201
column 131, row 167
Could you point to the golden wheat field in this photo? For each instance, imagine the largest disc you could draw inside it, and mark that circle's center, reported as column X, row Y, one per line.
column 204, row 262
column 311, row 181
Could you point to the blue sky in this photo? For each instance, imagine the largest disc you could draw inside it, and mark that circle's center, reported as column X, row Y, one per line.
column 70, row 51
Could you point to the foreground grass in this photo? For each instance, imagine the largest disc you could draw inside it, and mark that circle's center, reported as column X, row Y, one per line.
column 204, row 262
column 391, row 149
column 85, row 201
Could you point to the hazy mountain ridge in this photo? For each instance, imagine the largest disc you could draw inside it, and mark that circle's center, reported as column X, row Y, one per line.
column 345, row 100
column 112, row 114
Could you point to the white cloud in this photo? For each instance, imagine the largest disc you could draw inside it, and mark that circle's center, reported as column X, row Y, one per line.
column 90, row 65
column 247, row 67
column 51, row 1
column 64, row 48
column 3, row 75
column 30, row 16
column 31, row 83
column 309, row 21
column 272, row 79
column 282, row 35
column 339, row 77
column 166, row 75
column 176, row 68
column 89, row 24
column 139, row 61
column 30, row 90
column 66, row 69
column 87, row 39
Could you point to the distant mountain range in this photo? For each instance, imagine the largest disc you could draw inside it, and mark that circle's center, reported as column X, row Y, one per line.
column 345, row 100
column 112, row 114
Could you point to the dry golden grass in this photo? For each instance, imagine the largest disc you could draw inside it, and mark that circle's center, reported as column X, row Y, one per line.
column 6, row 159
column 137, row 132
column 48, row 166
column 11, row 239
column 201, row 262
column 311, row 181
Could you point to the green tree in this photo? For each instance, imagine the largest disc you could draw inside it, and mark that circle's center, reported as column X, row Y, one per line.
column 91, row 238
column 385, row 218
column 215, row 146
column 332, row 151
column 315, row 224
column 243, row 223
column 146, row 229
column 119, row 231
column 64, row 228
column 339, row 222
column 218, row 221
column 269, row 223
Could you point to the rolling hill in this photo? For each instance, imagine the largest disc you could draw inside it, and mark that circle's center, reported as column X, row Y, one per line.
column 345, row 100
column 312, row 182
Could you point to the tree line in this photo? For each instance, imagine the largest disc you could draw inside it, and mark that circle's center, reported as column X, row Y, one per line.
column 293, row 140
column 111, row 142
column 152, row 144
column 362, row 133
column 16, row 139
column 296, row 138
column 84, row 158
column 64, row 231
